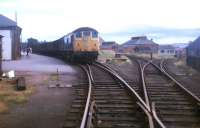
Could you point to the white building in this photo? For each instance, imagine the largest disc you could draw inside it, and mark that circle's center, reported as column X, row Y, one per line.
column 11, row 38
column 166, row 51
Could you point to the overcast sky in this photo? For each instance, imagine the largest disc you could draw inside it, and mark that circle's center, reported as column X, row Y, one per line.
column 166, row 21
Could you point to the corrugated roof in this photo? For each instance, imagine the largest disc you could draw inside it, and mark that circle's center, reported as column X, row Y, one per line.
column 195, row 43
column 166, row 47
column 138, row 40
column 6, row 22
column 197, row 40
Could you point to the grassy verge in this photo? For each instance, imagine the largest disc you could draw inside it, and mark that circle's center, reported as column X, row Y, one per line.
column 9, row 96
column 109, row 57
column 106, row 55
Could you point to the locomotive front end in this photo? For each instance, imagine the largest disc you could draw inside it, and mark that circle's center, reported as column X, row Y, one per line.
column 86, row 44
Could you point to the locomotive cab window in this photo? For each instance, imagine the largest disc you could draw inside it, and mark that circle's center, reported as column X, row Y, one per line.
column 78, row 35
column 94, row 34
column 86, row 33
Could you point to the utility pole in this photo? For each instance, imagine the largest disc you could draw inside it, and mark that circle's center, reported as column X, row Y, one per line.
column 1, row 55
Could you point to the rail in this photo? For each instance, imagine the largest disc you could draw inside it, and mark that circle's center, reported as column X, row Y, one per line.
column 155, row 115
column 152, row 107
column 144, row 91
column 140, row 102
column 163, row 69
column 87, row 105
column 144, row 84
column 108, row 69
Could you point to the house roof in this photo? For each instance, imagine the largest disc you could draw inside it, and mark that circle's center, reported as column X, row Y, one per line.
column 197, row 40
column 138, row 40
column 6, row 22
column 166, row 47
column 195, row 43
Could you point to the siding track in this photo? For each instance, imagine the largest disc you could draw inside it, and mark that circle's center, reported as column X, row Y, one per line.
column 175, row 105
column 107, row 101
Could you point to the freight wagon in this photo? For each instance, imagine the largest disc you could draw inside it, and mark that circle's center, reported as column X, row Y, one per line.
column 81, row 45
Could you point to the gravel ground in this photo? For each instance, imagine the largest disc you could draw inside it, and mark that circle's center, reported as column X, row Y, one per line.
column 37, row 63
column 189, row 77
column 184, row 74
column 48, row 106
column 128, row 70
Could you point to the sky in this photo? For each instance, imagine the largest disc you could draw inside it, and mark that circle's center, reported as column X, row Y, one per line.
column 164, row 21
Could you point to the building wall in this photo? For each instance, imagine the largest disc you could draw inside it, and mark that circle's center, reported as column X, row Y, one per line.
column 11, row 42
column 166, row 52
column 16, row 47
column 141, row 48
column 6, row 44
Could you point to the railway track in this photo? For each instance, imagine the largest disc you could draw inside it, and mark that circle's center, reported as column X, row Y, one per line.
column 109, row 102
column 182, row 76
column 74, row 116
column 175, row 105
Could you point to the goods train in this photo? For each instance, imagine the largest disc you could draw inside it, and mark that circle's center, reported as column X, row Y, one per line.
column 81, row 45
column 193, row 54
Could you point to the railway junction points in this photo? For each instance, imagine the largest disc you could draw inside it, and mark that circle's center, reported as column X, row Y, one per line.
column 57, row 95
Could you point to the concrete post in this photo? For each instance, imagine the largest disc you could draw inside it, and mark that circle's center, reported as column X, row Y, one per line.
column 1, row 55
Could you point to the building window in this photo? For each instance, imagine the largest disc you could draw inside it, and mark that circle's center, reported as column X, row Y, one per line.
column 78, row 35
column 86, row 33
column 94, row 34
column 162, row 51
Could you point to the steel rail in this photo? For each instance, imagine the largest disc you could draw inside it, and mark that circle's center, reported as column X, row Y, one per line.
column 144, row 84
column 87, row 105
column 155, row 115
column 90, row 73
column 90, row 115
column 152, row 107
column 193, row 96
column 150, row 119
column 125, row 83
column 141, row 103
column 141, row 70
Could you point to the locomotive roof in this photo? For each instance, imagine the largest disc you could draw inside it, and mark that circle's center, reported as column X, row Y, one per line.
column 84, row 29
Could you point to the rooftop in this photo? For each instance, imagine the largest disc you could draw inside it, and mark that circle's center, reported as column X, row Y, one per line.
column 197, row 40
column 166, row 47
column 6, row 22
column 139, row 40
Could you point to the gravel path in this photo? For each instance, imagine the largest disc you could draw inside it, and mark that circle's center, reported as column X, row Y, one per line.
column 37, row 63
column 48, row 106
column 185, row 75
